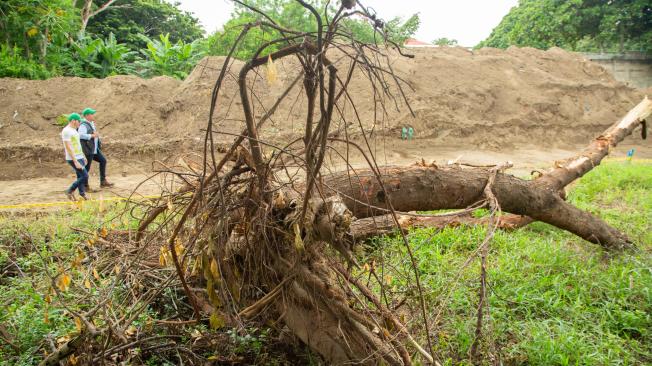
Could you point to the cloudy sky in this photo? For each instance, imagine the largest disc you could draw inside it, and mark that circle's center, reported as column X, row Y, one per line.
column 467, row 21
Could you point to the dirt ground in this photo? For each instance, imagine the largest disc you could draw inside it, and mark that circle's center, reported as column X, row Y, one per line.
column 484, row 106
column 138, row 182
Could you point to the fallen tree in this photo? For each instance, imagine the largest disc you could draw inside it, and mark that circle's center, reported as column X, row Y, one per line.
column 264, row 224
column 432, row 188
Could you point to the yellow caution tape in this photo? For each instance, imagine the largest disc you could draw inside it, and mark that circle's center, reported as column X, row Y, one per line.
column 80, row 203
column 67, row 203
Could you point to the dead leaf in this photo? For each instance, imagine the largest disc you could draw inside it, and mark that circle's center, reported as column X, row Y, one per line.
column 78, row 324
column 63, row 282
column 214, row 272
column 216, row 321
column 271, row 72
column 131, row 330
column 298, row 242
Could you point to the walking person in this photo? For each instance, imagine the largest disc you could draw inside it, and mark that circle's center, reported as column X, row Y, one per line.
column 92, row 145
column 75, row 156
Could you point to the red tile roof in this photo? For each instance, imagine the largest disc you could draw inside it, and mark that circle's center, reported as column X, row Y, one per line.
column 414, row 42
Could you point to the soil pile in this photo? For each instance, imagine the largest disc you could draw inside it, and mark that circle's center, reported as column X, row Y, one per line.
column 486, row 99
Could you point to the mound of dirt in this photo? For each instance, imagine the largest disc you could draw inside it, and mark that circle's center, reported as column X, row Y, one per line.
column 486, row 99
column 126, row 105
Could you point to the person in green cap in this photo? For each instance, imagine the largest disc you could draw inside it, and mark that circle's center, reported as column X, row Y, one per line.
column 92, row 146
column 75, row 156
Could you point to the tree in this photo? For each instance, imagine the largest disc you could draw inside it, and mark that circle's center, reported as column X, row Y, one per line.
column 444, row 42
column 581, row 25
column 162, row 57
column 272, row 230
column 128, row 20
column 291, row 14
column 88, row 11
column 33, row 26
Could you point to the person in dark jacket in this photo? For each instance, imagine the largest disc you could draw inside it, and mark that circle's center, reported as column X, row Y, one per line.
column 92, row 145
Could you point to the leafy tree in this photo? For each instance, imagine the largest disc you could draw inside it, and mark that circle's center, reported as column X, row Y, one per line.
column 581, row 25
column 99, row 58
column 399, row 31
column 90, row 9
column 444, row 42
column 129, row 19
column 13, row 64
column 163, row 57
column 291, row 14
column 34, row 26
column 112, row 57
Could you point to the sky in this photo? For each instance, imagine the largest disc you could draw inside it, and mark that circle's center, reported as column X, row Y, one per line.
column 467, row 21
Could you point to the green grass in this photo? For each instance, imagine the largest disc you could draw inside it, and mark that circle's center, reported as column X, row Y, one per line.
column 35, row 243
column 554, row 298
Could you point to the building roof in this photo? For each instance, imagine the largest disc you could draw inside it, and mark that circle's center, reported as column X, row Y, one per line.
column 411, row 42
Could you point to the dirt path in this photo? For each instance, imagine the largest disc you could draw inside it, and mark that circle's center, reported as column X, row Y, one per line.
column 50, row 189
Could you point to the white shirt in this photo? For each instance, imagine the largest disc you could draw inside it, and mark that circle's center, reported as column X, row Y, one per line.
column 71, row 135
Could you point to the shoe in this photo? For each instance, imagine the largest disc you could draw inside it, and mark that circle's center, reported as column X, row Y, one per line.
column 105, row 184
column 70, row 195
column 83, row 196
column 90, row 190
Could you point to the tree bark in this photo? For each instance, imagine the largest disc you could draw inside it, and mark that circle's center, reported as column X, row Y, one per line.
column 424, row 188
column 87, row 13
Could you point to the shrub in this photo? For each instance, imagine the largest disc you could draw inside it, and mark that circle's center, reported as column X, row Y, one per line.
column 13, row 64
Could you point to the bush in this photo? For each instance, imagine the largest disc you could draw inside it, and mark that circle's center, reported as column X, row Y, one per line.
column 99, row 58
column 13, row 64
column 162, row 57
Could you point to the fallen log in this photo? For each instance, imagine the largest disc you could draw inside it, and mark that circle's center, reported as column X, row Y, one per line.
column 424, row 188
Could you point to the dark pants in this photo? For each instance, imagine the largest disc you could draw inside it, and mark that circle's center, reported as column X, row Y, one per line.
column 82, row 178
column 99, row 157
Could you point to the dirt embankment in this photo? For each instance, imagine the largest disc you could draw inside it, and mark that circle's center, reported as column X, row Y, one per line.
column 486, row 99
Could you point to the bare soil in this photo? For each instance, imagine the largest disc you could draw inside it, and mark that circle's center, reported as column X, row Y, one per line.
column 521, row 104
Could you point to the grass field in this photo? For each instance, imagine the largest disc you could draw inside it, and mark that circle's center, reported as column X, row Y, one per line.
column 553, row 298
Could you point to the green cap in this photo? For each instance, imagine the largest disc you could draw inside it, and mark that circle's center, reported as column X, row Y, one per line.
column 88, row 111
column 74, row 116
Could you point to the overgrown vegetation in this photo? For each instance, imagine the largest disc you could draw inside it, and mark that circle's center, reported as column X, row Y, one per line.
column 578, row 25
column 42, row 39
column 554, row 299
column 293, row 16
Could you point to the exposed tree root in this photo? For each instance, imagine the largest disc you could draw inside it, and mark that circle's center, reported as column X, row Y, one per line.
column 266, row 238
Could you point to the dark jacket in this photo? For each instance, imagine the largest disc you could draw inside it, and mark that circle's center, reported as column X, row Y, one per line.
column 88, row 146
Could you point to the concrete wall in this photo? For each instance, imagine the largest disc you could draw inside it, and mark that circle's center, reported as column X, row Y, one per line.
column 632, row 68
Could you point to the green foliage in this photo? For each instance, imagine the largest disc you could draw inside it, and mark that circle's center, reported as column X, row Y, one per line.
column 40, row 39
column 290, row 14
column 162, row 57
column 61, row 120
column 399, row 31
column 251, row 342
column 554, row 298
column 13, row 64
column 36, row 26
column 580, row 25
column 445, row 42
column 100, row 58
column 112, row 57
column 129, row 20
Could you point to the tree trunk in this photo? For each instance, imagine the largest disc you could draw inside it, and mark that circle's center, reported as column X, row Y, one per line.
column 87, row 13
column 424, row 188
column 421, row 188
